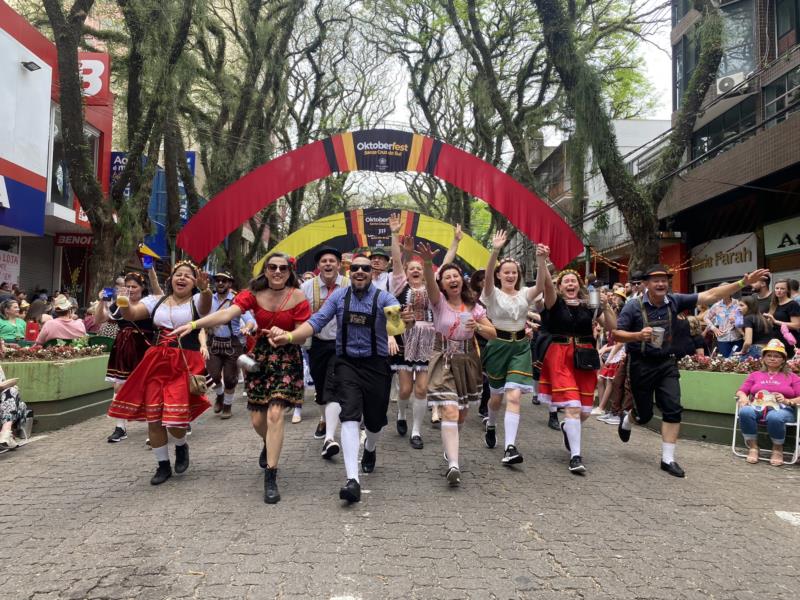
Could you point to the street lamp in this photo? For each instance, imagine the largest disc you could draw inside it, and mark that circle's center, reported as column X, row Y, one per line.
column 31, row 65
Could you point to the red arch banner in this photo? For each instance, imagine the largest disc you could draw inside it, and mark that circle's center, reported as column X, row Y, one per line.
column 381, row 150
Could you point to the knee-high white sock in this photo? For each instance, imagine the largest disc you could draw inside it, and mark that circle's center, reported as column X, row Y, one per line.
column 298, row 411
column 667, row 452
column 122, row 424
column 552, row 408
column 228, row 399
column 219, row 389
column 511, row 423
column 161, row 453
column 572, row 427
column 332, row 410
column 402, row 407
column 450, row 442
column 492, row 414
column 626, row 422
column 350, row 442
column 177, row 441
column 372, row 440
column 418, row 408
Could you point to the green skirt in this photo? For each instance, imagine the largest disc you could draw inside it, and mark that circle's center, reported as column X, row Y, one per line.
column 508, row 365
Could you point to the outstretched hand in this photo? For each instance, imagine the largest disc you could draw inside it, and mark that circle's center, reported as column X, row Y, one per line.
column 542, row 251
column 394, row 222
column 500, row 239
column 458, row 235
column 751, row 278
column 426, row 251
column 202, row 281
column 182, row 331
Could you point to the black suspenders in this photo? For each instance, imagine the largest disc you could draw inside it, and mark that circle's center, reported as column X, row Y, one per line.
column 373, row 338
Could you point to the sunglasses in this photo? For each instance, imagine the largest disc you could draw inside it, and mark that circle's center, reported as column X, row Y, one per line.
column 365, row 268
column 273, row 267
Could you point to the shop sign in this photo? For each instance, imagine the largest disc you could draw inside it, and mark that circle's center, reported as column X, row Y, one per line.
column 75, row 240
column 724, row 258
column 95, row 76
column 9, row 267
column 782, row 237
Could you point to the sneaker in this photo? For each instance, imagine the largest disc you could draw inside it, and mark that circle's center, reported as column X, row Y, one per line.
column 597, row 411
column 7, row 440
column 319, row 432
column 552, row 421
column 490, row 437
column 329, row 449
column 624, row 434
column 118, row 435
column 576, row 465
column 416, row 442
column 511, row 456
column 454, row 476
column 612, row 420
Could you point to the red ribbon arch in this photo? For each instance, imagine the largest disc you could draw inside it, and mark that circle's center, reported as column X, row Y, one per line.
column 381, row 150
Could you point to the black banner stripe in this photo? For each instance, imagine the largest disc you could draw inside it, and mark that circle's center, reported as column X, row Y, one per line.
column 330, row 155
column 434, row 157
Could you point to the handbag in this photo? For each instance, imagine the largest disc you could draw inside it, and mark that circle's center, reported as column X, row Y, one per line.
column 197, row 383
column 585, row 359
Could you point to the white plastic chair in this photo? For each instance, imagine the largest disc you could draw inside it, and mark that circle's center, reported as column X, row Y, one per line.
column 765, row 453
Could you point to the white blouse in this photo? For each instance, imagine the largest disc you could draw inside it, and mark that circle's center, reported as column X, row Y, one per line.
column 170, row 317
column 506, row 312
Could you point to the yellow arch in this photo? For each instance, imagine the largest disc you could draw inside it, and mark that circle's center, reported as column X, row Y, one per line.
column 326, row 228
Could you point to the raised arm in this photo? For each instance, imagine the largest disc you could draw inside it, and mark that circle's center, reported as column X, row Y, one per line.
column 155, row 287
column 453, row 249
column 608, row 318
column 427, row 253
column 204, row 305
column 498, row 242
column 397, row 253
column 543, row 279
column 534, row 292
column 709, row 297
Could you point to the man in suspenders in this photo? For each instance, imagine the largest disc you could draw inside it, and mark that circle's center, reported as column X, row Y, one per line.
column 646, row 326
column 361, row 376
column 323, row 344
column 225, row 348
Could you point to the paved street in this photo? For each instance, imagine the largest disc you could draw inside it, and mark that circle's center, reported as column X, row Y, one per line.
column 80, row 520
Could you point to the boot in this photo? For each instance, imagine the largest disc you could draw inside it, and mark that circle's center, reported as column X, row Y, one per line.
column 271, row 493
column 181, row 458
column 163, row 473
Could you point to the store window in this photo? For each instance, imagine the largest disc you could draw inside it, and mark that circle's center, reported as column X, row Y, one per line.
column 727, row 130
column 782, row 98
column 738, row 55
column 680, row 8
column 9, row 244
column 787, row 16
column 60, row 188
column 684, row 59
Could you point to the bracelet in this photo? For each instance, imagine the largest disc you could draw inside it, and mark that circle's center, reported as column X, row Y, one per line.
column 194, row 325
column 741, row 283
column 290, row 337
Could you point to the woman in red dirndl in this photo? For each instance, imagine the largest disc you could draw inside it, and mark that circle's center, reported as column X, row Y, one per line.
column 157, row 391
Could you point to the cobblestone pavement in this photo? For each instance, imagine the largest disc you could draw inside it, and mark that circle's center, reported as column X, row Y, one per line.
column 80, row 520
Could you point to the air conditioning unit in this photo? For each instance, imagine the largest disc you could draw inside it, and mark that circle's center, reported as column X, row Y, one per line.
column 730, row 81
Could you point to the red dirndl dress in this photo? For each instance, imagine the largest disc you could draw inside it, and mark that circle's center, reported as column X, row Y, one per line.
column 561, row 384
column 157, row 391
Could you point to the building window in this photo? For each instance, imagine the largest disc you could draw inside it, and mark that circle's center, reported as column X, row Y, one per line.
column 679, row 10
column 684, row 59
column 738, row 56
column 782, row 98
column 724, row 132
column 787, row 23
column 60, row 188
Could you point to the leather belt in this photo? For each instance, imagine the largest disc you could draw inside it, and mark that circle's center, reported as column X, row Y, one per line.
column 512, row 336
column 579, row 339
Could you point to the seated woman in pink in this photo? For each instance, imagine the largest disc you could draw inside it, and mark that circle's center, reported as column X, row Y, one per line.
column 773, row 390
column 64, row 326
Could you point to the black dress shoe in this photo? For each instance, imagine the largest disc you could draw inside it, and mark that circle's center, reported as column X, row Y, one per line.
column 271, row 493
column 673, row 469
column 368, row 461
column 163, row 472
column 262, row 458
column 319, row 432
column 402, row 427
column 624, row 434
column 416, row 442
column 564, row 433
column 329, row 449
column 552, row 421
column 181, row 458
column 351, row 491
column 490, row 436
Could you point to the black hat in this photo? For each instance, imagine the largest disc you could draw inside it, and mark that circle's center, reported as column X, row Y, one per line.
column 327, row 250
column 223, row 275
column 656, row 270
column 636, row 276
column 380, row 252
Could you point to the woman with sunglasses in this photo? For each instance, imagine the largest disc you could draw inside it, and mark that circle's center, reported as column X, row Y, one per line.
column 158, row 390
column 277, row 382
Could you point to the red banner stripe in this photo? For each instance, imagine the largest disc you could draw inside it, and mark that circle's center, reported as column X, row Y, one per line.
column 341, row 156
column 427, row 144
column 23, row 175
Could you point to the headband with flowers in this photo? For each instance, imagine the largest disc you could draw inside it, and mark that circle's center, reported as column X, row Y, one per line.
column 137, row 277
column 185, row 263
column 561, row 275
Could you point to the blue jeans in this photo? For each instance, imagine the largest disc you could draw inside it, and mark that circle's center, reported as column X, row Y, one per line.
column 776, row 423
column 753, row 352
column 725, row 348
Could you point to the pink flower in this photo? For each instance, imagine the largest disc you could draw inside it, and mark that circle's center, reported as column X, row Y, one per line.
column 286, row 379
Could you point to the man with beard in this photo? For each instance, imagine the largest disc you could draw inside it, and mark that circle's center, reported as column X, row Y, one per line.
column 225, row 347
column 323, row 344
column 361, row 377
column 763, row 293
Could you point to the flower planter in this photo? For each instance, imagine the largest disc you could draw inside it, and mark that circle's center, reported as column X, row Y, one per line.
column 62, row 392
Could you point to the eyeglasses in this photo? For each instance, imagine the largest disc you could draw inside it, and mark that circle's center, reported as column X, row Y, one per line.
column 356, row 268
column 221, row 280
column 273, row 267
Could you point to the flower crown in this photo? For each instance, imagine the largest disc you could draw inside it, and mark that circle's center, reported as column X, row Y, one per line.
column 185, row 263
column 137, row 277
column 505, row 260
column 561, row 275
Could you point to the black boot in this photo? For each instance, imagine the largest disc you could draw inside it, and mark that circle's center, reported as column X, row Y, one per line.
column 163, row 473
column 181, row 458
column 271, row 493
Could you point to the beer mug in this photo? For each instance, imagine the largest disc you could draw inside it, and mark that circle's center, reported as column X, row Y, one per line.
column 594, row 299
column 123, row 301
column 247, row 363
column 657, row 339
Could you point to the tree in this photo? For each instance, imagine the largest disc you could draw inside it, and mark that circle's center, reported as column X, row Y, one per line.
column 638, row 202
